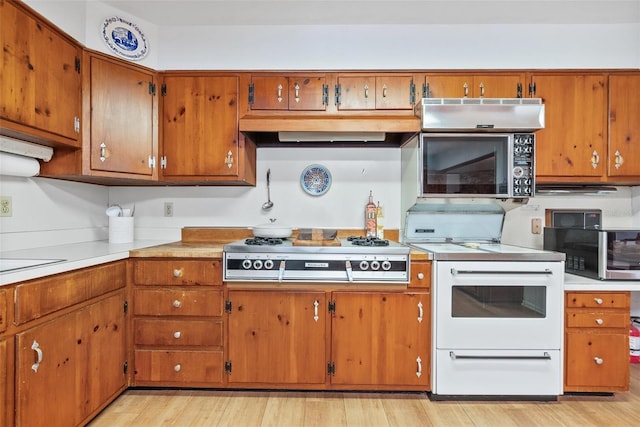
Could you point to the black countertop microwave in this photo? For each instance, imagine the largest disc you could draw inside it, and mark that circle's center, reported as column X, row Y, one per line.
column 605, row 254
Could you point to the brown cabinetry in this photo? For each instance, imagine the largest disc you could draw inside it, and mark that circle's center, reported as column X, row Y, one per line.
column 308, row 92
column 201, row 141
column 40, row 80
column 572, row 146
column 624, row 129
column 454, row 85
column 178, row 329
column 597, row 341
column 375, row 92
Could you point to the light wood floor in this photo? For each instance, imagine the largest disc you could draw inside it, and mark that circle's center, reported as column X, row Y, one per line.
column 292, row 409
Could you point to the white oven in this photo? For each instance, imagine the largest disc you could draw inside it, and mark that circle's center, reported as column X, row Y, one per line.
column 498, row 328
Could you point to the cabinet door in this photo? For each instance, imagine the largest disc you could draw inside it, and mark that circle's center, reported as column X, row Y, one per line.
column 40, row 80
column 624, row 128
column 395, row 93
column 381, row 339
column 70, row 366
column 121, row 118
column 3, row 383
column 357, row 92
column 269, row 93
column 200, row 126
column 277, row 337
column 448, row 86
column 572, row 145
column 307, row 93
column 474, row 86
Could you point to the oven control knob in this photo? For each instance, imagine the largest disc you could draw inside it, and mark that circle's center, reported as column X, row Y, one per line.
column 257, row 264
column 518, row 172
column 246, row 264
column 386, row 265
column 375, row 265
column 364, row 265
column 268, row 264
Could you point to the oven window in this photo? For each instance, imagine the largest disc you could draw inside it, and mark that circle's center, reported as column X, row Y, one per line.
column 499, row 301
column 465, row 164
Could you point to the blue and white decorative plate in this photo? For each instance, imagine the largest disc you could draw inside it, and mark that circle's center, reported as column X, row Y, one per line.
column 315, row 180
column 124, row 38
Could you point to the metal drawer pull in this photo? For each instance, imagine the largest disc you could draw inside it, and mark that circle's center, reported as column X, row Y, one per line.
column 279, row 93
column 419, row 371
column 619, row 159
column 177, row 334
column 315, row 310
column 366, row 91
column 103, row 152
column 177, row 272
column 177, row 368
column 420, row 312
column 36, row 347
column 455, row 272
column 599, row 321
column 598, row 300
column 297, row 92
column 595, row 159
column 598, row 360
column 545, row 356
column 177, row 304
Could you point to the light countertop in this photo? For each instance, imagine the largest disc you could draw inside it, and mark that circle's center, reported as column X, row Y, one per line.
column 574, row 282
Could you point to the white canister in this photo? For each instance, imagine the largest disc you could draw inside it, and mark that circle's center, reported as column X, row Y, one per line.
column 120, row 229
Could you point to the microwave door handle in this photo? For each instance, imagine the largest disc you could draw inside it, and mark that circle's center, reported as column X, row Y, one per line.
column 455, row 272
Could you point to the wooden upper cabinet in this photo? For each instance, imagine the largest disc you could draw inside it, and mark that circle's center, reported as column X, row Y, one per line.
column 375, row 92
column 40, row 80
column 572, row 147
column 499, row 85
column 122, row 124
column 356, row 92
column 624, row 127
column 200, row 127
column 288, row 92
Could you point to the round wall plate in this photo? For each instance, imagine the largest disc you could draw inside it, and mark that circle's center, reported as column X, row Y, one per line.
column 124, row 38
column 315, row 180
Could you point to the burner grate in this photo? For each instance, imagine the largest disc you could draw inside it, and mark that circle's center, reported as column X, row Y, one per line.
column 367, row 241
column 268, row 241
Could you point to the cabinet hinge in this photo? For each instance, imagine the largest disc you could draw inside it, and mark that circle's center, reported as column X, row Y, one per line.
column 338, row 94
column 125, row 307
column 152, row 89
column 163, row 89
column 426, row 91
column 251, row 93
column 163, row 162
column 332, row 307
column 76, row 124
column 325, row 94
column 125, row 367
column 532, row 89
column 519, row 90
column 227, row 366
column 227, row 306
column 331, row 368
column 77, row 65
column 412, row 93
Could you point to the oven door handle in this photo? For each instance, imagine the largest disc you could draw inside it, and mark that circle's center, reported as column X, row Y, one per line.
column 454, row 356
column 456, row 272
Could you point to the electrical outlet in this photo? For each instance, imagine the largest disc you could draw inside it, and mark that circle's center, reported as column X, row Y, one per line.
column 536, row 225
column 5, row 206
column 168, row 209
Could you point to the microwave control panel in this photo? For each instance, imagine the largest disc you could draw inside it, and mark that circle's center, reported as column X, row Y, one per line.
column 523, row 165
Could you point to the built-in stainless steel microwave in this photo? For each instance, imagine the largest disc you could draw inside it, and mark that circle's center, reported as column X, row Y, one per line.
column 611, row 254
column 483, row 164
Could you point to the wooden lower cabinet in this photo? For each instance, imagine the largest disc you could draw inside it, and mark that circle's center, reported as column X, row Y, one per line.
column 597, row 341
column 70, row 367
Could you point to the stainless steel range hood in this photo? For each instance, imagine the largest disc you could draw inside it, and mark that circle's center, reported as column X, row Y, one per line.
column 481, row 114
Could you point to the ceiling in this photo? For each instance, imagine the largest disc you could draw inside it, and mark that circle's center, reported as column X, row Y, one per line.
column 368, row 12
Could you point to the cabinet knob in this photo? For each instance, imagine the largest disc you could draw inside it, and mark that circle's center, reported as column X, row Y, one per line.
column 420, row 276
column 598, row 300
column 598, row 360
column 177, row 304
column 599, row 321
column 177, row 368
column 177, row 272
column 177, row 334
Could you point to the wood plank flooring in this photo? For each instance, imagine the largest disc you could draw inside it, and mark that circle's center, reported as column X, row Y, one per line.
column 196, row 408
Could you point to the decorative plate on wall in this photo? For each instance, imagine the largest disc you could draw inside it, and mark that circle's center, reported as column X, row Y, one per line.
column 124, row 38
column 315, row 180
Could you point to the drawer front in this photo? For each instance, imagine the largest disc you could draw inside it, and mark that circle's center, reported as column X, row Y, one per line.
column 597, row 320
column 178, row 272
column 597, row 360
column 178, row 332
column 420, row 275
column 179, row 366
column 177, row 302
column 598, row 300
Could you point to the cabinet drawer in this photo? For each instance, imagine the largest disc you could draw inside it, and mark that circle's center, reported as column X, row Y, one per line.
column 178, row 332
column 420, row 275
column 597, row 360
column 179, row 366
column 598, row 299
column 39, row 297
column 177, row 302
column 576, row 319
column 177, row 272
